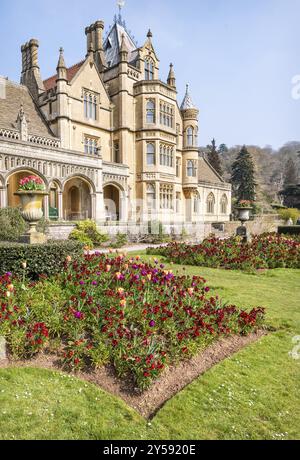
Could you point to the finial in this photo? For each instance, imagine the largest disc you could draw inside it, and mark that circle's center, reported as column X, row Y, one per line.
column 149, row 34
column 121, row 4
column 61, row 61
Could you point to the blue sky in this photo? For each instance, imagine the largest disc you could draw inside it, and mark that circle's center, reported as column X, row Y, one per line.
column 239, row 56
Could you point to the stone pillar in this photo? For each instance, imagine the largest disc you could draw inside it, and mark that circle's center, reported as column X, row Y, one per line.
column 60, row 206
column 124, row 207
column 93, row 206
column 3, row 197
column 99, row 207
column 46, row 207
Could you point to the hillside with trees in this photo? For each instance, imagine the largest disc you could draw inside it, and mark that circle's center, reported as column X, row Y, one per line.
column 274, row 169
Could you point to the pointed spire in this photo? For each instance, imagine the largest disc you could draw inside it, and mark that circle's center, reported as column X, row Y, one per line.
column 123, row 49
column 149, row 35
column 61, row 66
column 171, row 77
column 61, row 61
column 187, row 102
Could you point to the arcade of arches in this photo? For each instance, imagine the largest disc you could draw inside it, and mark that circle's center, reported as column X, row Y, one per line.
column 71, row 202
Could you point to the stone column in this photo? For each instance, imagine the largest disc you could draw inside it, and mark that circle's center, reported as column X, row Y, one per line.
column 93, row 203
column 3, row 197
column 60, row 206
column 99, row 207
column 46, row 207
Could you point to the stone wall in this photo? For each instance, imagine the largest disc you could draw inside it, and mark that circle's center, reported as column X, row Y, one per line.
column 261, row 224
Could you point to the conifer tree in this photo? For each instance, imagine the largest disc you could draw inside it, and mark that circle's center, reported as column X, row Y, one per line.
column 214, row 157
column 243, row 176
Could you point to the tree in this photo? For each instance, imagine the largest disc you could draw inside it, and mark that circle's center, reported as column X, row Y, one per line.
column 223, row 149
column 290, row 173
column 214, row 157
column 243, row 176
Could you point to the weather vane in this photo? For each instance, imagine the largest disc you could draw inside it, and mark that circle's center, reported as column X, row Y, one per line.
column 121, row 4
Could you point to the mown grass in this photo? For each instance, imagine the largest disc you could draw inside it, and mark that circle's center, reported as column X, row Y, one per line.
column 252, row 395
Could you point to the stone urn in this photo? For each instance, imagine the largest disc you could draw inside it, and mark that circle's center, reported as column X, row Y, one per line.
column 243, row 214
column 32, row 202
column 243, row 217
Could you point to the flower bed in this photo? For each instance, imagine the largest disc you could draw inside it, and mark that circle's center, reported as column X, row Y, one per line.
column 138, row 317
column 264, row 251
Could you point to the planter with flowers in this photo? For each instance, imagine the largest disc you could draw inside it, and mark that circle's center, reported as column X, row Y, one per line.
column 243, row 208
column 31, row 193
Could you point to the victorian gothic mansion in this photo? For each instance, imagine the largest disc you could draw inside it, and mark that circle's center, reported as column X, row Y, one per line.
column 107, row 137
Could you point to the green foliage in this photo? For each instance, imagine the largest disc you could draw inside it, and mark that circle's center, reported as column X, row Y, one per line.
column 12, row 224
column 82, row 237
column 214, row 157
column 293, row 230
column 121, row 240
column 243, row 176
column 290, row 213
column 42, row 259
column 86, row 232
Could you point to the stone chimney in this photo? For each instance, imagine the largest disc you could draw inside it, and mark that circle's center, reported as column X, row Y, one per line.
column 94, row 34
column 31, row 76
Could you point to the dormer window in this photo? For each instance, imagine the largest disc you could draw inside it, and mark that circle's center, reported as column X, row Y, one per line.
column 90, row 105
column 149, row 70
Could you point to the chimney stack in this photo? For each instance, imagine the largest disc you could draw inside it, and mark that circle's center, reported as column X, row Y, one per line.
column 30, row 68
column 94, row 35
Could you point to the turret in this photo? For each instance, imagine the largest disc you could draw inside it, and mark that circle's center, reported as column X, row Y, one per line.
column 190, row 141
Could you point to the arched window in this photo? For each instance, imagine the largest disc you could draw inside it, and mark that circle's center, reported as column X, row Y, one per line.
column 190, row 136
column 224, row 204
column 150, row 154
column 196, row 203
column 150, row 108
column 210, row 204
column 149, row 70
column 191, row 169
column 151, row 196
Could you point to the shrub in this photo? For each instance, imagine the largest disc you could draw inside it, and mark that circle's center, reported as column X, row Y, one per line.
column 289, row 213
column 86, row 232
column 41, row 259
column 12, row 224
column 121, row 240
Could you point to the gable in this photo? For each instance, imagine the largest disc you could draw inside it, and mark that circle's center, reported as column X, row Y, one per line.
column 89, row 78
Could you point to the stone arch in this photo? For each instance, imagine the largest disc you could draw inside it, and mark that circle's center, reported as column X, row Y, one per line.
column 12, row 179
column 114, row 201
column 82, row 177
column 2, row 181
column 27, row 170
column 77, row 195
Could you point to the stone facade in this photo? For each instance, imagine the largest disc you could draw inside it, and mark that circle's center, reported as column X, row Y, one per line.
column 108, row 138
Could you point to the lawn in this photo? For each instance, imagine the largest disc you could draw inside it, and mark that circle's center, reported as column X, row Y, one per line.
column 252, row 395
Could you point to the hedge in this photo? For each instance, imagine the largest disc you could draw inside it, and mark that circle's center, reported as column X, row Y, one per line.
column 289, row 230
column 41, row 259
